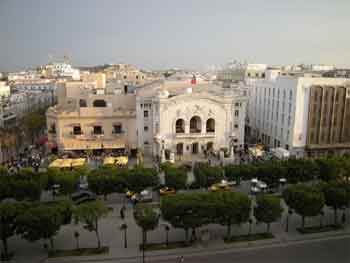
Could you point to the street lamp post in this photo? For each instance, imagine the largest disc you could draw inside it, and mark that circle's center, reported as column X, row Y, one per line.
column 250, row 221
column 167, row 229
column 143, row 248
column 321, row 219
column 290, row 212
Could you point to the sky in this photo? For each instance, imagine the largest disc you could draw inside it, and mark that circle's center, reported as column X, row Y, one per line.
column 156, row 34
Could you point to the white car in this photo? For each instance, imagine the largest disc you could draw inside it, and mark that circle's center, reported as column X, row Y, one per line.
column 262, row 185
column 144, row 196
column 255, row 190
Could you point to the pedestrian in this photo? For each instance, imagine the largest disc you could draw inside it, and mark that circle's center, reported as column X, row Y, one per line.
column 182, row 259
column 122, row 216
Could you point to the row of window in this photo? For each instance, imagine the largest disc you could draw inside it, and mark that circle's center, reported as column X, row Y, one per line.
column 195, row 125
column 137, row 77
column 97, row 129
column 95, row 103
column 194, row 148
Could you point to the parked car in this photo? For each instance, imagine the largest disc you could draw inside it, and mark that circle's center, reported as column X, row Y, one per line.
column 130, row 194
column 257, row 186
column 255, row 190
column 167, row 191
column 144, row 196
column 220, row 187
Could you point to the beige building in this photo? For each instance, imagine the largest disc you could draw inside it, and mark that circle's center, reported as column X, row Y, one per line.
column 128, row 75
column 99, row 78
column 172, row 119
column 89, row 118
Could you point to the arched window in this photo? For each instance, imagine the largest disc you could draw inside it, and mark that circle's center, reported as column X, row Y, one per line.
column 180, row 148
column 210, row 127
column 82, row 103
column 195, row 125
column 99, row 103
column 180, row 126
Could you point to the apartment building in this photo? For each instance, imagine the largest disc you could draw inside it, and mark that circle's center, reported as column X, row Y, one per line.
column 306, row 115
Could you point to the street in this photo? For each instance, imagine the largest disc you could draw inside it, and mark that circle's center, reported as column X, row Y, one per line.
column 329, row 251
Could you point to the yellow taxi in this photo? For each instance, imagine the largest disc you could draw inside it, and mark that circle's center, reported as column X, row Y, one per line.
column 167, row 191
column 130, row 194
column 223, row 186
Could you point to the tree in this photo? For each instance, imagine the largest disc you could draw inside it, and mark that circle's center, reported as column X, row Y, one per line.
column 329, row 168
column 19, row 189
column 175, row 177
column 25, row 190
column 206, row 175
column 8, row 141
column 300, row 170
column 140, row 178
column 186, row 211
column 34, row 123
column 67, row 181
column 90, row 213
column 270, row 172
column 304, row 200
column 107, row 180
column 3, row 171
column 240, row 172
column 9, row 213
column 336, row 197
column 229, row 208
column 40, row 222
column 146, row 218
column 268, row 209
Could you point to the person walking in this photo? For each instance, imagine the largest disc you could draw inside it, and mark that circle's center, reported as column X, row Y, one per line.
column 122, row 215
column 182, row 259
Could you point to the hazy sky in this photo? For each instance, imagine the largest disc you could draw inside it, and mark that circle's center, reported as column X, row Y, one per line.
column 176, row 33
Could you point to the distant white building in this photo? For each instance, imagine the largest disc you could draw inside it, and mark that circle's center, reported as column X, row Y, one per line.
column 23, row 75
column 237, row 72
column 62, row 70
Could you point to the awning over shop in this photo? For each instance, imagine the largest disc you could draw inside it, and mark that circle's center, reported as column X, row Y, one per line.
column 109, row 160
column 121, row 160
column 78, row 162
column 67, row 163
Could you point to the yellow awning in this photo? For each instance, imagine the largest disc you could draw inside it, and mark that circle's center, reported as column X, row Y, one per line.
column 109, row 160
column 122, row 160
column 78, row 162
column 67, row 163
column 56, row 163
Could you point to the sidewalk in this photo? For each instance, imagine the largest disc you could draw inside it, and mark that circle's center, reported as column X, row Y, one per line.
column 216, row 243
column 112, row 236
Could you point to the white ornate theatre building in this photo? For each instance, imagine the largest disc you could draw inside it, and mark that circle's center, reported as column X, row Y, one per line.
column 175, row 120
column 178, row 120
